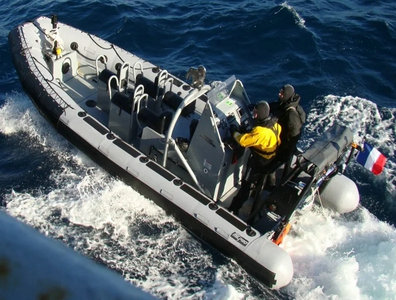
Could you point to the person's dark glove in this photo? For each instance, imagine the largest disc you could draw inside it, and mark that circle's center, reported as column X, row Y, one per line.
column 243, row 128
column 233, row 129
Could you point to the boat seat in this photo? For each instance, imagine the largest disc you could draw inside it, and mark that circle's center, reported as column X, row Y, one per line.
column 120, row 117
column 157, row 122
column 123, row 101
column 150, row 87
column 105, row 75
column 120, row 83
column 155, row 89
column 103, row 97
column 173, row 101
column 124, row 109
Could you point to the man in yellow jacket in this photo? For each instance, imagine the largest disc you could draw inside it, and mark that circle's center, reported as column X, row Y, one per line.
column 263, row 141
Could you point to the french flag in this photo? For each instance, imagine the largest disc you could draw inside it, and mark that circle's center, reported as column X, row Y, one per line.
column 371, row 159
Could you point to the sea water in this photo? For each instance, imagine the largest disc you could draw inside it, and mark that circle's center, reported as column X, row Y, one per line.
column 340, row 57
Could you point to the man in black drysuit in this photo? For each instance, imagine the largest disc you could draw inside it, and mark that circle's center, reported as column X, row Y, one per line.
column 291, row 116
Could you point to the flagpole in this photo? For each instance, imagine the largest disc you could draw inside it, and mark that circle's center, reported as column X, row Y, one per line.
column 354, row 147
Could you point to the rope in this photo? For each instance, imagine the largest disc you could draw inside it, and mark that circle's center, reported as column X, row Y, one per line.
column 104, row 48
column 320, row 201
column 112, row 47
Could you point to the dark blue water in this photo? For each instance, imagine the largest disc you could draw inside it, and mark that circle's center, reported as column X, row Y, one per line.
column 339, row 55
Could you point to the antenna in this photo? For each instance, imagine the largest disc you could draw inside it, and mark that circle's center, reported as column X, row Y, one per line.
column 54, row 21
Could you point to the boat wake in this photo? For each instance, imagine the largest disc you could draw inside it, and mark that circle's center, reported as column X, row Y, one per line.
column 342, row 256
column 104, row 218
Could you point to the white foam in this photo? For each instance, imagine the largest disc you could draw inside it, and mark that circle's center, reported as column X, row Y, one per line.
column 15, row 115
column 221, row 290
column 298, row 19
column 339, row 258
column 18, row 116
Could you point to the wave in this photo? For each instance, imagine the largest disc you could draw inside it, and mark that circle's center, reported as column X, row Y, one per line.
column 298, row 19
column 18, row 116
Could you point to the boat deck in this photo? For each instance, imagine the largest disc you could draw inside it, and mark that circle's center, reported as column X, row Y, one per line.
column 83, row 89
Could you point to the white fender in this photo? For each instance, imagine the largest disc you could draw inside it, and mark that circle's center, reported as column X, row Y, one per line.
column 274, row 258
column 340, row 194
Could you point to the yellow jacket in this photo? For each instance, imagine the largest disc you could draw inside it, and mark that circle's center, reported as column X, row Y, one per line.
column 262, row 139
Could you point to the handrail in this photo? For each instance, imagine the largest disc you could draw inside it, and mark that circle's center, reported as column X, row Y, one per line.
column 192, row 96
column 136, row 103
column 162, row 79
column 139, row 91
column 185, row 163
column 134, row 68
column 109, row 84
column 123, row 77
column 138, row 97
column 170, row 80
column 104, row 57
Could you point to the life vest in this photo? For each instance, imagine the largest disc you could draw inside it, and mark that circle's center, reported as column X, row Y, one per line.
column 263, row 140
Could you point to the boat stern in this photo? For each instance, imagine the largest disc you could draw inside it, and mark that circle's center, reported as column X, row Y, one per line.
column 275, row 259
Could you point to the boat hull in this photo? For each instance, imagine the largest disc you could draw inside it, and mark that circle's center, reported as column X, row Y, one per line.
column 273, row 269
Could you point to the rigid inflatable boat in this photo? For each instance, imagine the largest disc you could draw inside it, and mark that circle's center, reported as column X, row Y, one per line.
column 173, row 138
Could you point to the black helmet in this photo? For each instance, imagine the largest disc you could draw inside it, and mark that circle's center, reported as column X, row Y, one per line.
column 287, row 92
column 262, row 109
